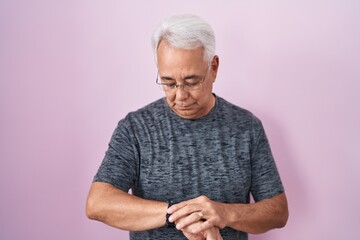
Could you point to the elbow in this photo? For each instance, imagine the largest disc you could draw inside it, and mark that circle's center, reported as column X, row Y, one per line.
column 284, row 220
column 282, row 213
column 92, row 211
column 284, row 216
column 279, row 222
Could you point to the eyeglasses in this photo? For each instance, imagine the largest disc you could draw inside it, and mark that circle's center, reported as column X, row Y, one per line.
column 192, row 84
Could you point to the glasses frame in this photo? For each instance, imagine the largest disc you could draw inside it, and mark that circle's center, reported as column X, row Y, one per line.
column 185, row 86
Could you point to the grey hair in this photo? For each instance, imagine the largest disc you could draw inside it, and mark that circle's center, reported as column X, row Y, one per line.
column 185, row 32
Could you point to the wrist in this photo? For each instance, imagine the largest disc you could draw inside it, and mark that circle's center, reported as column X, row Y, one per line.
column 168, row 223
column 228, row 215
column 161, row 214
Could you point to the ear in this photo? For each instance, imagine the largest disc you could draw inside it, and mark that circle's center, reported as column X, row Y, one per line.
column 214, row 66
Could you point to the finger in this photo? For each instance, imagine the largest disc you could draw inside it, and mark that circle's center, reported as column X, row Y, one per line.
column 176, row 207
column 212, row 234
column 180, row 205
column 191, row 236
column 202, row 227
column 186, row 211
column 187, row 231
column 188, row 220
column 190, row 228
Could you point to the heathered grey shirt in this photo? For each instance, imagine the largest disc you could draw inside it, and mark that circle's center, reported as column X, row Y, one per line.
column 224, row 155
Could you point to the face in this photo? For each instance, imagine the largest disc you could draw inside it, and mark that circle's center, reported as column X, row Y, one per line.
column 180, row 65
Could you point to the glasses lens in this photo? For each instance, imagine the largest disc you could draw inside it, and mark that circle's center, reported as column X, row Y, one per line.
column 194, row 87
column 173, row 86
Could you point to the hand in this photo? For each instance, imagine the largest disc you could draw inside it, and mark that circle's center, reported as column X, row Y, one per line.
column 210, row 234
column 191, row 236
column 208, row 212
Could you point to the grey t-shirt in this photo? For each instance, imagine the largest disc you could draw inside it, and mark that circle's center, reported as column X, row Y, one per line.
column 224, row 155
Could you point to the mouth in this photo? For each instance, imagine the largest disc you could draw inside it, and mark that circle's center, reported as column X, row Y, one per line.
column 183, row 106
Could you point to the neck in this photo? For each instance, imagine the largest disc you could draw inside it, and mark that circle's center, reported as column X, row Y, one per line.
column 213, row 101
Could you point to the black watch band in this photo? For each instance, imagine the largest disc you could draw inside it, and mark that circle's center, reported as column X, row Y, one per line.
column 170, row 224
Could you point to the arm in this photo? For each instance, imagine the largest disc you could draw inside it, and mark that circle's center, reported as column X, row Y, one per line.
column 119, row 209
column 252, row 218
column 259, row 217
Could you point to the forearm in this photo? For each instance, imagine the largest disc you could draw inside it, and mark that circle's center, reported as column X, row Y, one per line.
column 122, row 210
column 252, row 218
column 258, row 217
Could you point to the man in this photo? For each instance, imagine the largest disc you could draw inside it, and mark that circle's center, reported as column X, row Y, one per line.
column 191, row 159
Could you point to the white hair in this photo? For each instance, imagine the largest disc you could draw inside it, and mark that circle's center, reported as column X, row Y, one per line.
column 185, row 32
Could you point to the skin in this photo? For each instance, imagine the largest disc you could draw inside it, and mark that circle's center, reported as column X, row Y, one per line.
column 178, row 64
column 119, row 209
column 252, row 218
column 122, row 210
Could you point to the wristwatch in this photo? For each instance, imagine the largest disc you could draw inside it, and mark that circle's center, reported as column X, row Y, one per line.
column 168, row 223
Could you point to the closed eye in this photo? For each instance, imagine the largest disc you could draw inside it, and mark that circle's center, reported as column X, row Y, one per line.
column 172, row 85
column 192, row 78
column 167, row 79
column 191, row 84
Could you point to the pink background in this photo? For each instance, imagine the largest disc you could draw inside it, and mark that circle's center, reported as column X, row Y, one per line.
column 69, row 70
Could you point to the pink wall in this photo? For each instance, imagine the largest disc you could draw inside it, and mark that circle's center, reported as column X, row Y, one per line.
column 69, row 70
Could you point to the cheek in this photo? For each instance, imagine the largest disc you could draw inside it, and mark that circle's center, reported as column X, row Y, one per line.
column 204, row 95
column 170, row 97
column 197, row 96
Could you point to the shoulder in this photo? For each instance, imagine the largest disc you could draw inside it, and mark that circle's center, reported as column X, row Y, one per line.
column 152, row 110
column 145, row 115
column 236, row 114
column 135, row 122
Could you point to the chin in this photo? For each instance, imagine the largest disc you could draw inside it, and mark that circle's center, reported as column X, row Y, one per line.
column 185, row 115
column 188, row 114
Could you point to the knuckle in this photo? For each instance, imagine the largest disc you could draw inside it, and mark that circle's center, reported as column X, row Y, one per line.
column 191, row 208
column 207, row 204
column 203, row 198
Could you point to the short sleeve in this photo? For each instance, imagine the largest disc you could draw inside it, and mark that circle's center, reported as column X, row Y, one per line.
column 120, row 162
column 265, row 179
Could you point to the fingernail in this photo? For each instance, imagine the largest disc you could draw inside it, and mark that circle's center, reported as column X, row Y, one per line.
column 169, row 210
column 171, row 218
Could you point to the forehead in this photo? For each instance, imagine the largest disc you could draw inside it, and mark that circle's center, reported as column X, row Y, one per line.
column 170, row 57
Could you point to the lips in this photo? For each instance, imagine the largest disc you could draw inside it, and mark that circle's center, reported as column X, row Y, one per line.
column 182, row 106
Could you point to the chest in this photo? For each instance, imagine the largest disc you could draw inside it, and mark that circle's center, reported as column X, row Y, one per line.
column 188, row 162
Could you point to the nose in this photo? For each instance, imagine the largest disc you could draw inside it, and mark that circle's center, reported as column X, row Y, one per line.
column 181, row 94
